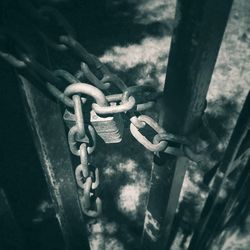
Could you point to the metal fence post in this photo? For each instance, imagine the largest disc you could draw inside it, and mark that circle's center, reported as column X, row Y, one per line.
column 50, row 139
column 194, row 48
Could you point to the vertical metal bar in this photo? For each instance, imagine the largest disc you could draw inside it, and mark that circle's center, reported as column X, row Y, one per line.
column 240, row 135
column 193, row 53
column 49, row 135
column 235, row 209
column 10, row 234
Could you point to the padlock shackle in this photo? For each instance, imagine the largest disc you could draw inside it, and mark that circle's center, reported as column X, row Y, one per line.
column 87, row 89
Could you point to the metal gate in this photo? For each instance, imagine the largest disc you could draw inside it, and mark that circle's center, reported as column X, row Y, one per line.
column 194, row 49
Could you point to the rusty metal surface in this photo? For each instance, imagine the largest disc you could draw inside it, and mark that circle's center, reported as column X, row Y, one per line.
column 194, row 48
column 49, row 136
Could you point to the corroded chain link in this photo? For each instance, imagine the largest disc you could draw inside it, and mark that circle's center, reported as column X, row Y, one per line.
column 86, row 179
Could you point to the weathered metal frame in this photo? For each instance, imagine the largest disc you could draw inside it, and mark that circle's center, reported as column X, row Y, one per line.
column 194, row 48
column 45, row 118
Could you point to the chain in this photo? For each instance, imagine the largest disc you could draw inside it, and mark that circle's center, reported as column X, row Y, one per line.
column 86, row 179
column 82, row 136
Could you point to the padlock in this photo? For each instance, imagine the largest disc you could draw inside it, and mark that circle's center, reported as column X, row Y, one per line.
column 110, row 128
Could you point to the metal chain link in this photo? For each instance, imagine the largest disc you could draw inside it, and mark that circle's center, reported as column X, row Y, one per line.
column 86, row 179
column 155, row 147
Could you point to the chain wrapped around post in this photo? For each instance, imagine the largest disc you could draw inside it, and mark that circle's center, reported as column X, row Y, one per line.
column 107, row 108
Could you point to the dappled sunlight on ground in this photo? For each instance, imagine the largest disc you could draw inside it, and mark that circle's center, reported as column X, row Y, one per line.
column 150, row 55
column 231, row 78
column 129, row 195
column 155, row 11
column 102, row 236
column 129, row 199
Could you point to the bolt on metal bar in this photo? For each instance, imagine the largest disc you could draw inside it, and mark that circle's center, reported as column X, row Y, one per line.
column 193, row 53
column 240, row 135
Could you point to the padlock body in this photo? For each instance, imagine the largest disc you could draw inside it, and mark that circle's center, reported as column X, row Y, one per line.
column 110, row 128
